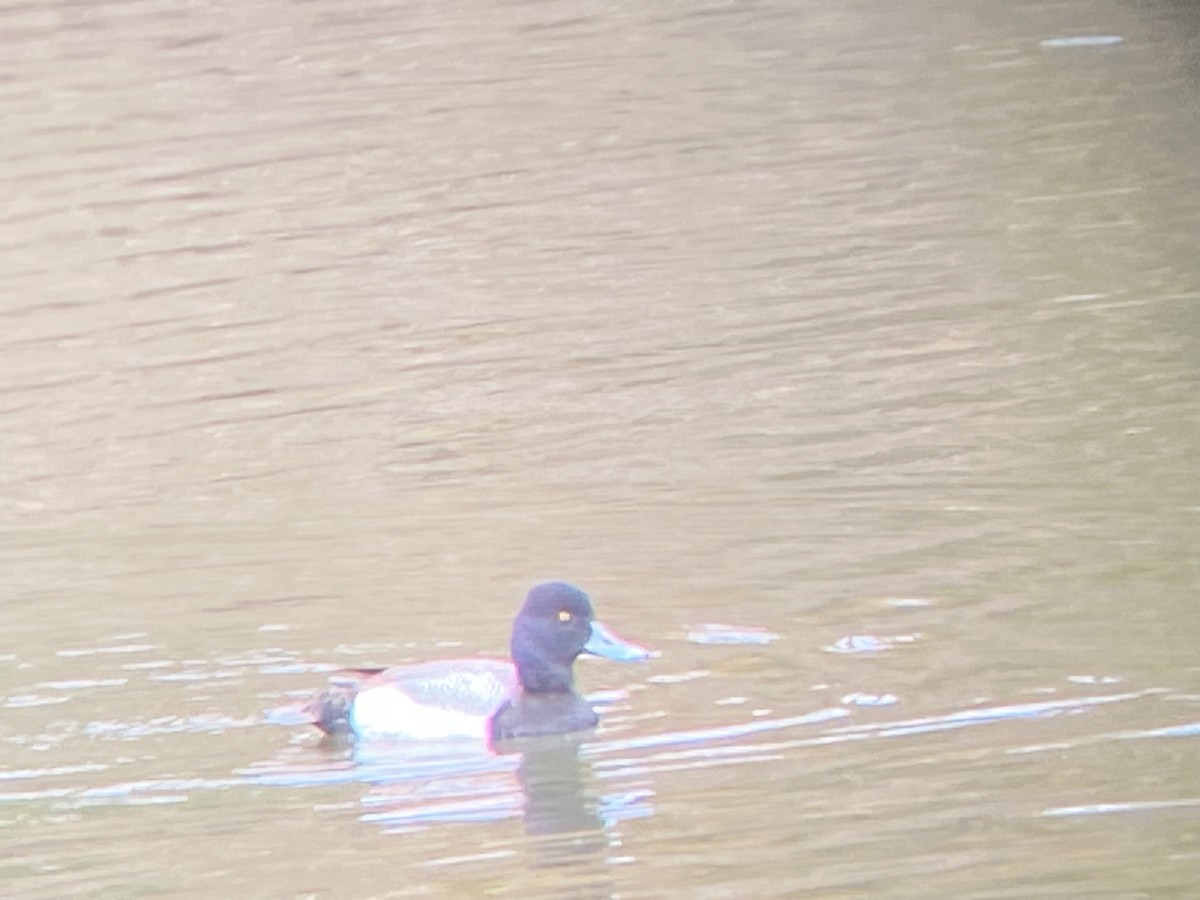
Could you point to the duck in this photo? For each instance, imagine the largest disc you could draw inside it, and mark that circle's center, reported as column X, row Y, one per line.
column 532, row 694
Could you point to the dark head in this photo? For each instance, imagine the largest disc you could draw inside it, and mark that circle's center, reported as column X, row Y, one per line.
column 554, row 626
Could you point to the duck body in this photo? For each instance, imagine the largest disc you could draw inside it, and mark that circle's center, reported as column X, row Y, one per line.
column 492, row 699
column 429, row 701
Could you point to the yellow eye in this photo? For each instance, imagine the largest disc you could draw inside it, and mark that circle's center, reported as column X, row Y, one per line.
column 564, row 616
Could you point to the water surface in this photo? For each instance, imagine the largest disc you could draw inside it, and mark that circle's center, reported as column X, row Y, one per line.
column 845, row 353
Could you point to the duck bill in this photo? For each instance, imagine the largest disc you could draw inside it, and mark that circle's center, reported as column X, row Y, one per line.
column 604, row 643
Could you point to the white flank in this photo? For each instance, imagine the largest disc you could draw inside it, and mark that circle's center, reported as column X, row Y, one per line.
column 386, row 712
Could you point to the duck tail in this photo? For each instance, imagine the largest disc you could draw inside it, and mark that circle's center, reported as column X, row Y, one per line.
column 330, row 710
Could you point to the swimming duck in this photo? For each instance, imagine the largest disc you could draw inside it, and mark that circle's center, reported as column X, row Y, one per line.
column 534, row 694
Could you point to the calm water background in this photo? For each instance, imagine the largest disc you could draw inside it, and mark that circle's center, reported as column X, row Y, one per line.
column 327, row 329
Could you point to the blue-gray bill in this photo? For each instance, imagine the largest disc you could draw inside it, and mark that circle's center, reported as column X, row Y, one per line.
column 604, row 643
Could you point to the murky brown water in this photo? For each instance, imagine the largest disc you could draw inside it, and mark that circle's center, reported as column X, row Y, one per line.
column 328, row 329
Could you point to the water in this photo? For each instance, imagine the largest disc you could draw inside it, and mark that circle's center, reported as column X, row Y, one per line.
column 845, row 353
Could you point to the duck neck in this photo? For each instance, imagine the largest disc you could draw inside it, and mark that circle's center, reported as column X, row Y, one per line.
column 544, row 676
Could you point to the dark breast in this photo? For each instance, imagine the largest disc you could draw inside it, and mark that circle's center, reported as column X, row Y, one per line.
column 530, row 715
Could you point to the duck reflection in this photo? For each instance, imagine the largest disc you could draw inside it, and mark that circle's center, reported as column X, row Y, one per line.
column 558, row 807
column 547, row 781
